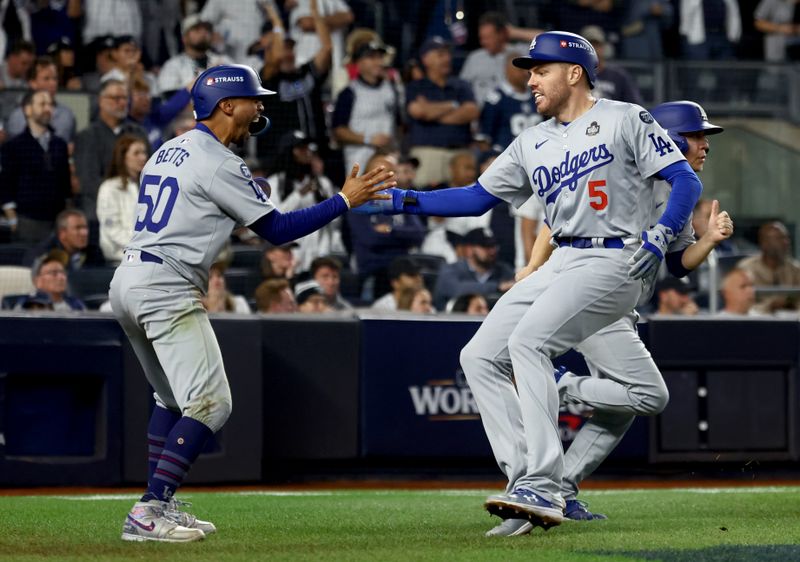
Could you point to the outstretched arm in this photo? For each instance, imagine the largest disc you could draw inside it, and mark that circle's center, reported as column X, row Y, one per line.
column 467, row 201
column 720, row 227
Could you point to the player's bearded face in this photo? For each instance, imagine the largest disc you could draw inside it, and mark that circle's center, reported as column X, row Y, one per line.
column 549, row 87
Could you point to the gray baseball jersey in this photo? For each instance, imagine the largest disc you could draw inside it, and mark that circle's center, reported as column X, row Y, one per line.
column 567, row 167
column 194, row 191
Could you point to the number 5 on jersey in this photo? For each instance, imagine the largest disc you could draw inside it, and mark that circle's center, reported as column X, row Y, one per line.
column 598, row 198
column 156, row 200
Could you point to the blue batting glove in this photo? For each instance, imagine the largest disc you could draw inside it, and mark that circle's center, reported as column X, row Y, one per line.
column 647, row 259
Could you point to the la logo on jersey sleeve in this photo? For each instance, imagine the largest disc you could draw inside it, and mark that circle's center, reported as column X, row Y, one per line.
column 254, row 185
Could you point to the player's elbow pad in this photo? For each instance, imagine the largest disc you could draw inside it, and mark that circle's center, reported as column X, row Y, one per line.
column 674, row 261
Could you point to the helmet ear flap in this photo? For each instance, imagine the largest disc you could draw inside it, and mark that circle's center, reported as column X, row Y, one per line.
column 680, row 141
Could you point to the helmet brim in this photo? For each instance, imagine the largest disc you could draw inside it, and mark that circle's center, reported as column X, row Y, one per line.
column 708, row 129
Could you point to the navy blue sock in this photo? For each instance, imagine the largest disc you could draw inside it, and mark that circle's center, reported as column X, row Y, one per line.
column 183, row 446
column 161, row 423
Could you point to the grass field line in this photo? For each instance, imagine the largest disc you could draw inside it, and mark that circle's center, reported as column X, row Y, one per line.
column 449, row 492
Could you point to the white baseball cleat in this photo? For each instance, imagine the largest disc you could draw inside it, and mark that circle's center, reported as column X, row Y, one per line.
column 147, row 521
column 511, row 528
column 173, row 511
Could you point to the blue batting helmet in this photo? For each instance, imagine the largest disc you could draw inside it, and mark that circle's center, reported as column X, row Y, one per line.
column 560, row 46
column 228, row 81
column 681, row 117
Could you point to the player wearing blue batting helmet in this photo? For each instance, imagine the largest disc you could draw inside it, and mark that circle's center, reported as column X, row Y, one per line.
column 681, row 118
column 229, row 81
column 561, row 46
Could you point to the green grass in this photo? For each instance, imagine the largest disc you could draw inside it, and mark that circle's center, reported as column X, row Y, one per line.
column 730, row 525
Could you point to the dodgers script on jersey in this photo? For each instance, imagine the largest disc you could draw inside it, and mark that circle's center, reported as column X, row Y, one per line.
column 194, row 191
column 568, row 168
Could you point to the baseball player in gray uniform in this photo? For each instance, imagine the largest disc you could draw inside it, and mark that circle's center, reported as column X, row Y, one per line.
column 625, row 381
column 193, row 192
column 593, row 164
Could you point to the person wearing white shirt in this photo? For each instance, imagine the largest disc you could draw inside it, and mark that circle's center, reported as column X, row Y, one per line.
column 117, row 196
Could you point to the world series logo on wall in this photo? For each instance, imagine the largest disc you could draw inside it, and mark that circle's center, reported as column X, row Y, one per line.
column 444, row 399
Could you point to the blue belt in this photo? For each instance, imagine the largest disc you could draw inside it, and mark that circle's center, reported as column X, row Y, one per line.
column 147, row 256
column 576, row 242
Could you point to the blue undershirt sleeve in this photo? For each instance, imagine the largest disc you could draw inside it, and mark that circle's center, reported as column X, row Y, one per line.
column 279, row 228
column 466, row 201
column 686, row 190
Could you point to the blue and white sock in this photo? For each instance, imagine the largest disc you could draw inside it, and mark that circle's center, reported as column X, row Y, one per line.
column 183, row 445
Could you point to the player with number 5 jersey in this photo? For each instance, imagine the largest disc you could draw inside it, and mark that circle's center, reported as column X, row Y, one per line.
column 193, row 192
column 593, row 164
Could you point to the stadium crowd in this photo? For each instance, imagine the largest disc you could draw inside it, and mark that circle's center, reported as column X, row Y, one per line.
column 90, row 88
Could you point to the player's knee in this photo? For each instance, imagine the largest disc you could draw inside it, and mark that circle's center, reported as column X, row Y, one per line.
column 212, row 411
column 470, row 357
column 652, row 400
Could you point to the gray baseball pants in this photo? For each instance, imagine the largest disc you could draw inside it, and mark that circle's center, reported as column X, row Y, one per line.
column 625, row 383
column 163, row 317
column 573, row 295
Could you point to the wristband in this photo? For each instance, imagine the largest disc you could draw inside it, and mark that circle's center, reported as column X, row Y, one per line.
column 346, row 200
column 367, row 138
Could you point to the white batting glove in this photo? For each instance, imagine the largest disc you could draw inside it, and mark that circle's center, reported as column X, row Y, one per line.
column 651, row 253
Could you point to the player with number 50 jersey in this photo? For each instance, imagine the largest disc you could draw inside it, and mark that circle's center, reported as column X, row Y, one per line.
column 193, row 192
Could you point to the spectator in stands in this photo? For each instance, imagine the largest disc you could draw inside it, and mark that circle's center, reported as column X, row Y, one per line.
column 508, row 109
column 63, row 55
column 159, row 40
column 327, row 271
column 128, row 67
column 417, row 300
column 298, row 105
column 180, row 70
column 440, row 109
column 155, row 116
column 738, row 292
column 94, row 146
column 218, row 298
column 44, row 76
column 117, row 196
column 709, row 30
column 10, row 30
column 50, row 281
column 310, row 298
column 103, row 49
column 110, row 17
column 274, row 296
column 300, row 182
column 279, row 262
column 613, row 82
column 700, row 215
column 19, row 60
column 774, row 266
column 71, row 237
column 674, row 298
column 404, row 273
column 238, row 24
column 52, row 21
column 379, row 239
column 338, row 18
column 485, row 68
column 779, row 21
column 367, row 112
column 34, row 179
column 478, row 272
column 469, row 303
column 643, row 26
